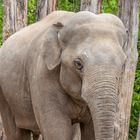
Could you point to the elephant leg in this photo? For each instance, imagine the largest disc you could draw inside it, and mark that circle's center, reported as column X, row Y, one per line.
column 87, row 130
column 7, row 119
column 76, row 132
column 11, row 130
column 56, row 125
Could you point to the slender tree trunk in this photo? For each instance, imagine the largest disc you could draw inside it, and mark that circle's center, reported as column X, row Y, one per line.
column 128, row 12
column 44, row 7
column 15, row 16
column 91, row 5
column 138, row 131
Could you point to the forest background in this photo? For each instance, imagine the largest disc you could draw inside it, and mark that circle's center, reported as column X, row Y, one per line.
column 108, row 6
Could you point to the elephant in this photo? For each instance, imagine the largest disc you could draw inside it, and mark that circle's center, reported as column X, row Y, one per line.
column 62, row 70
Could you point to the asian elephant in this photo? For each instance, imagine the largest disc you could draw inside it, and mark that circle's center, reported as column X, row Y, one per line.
column 62, row 70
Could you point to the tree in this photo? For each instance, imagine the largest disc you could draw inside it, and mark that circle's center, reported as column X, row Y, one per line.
column 15, row 16
column 128, row 12
column 91, row 5
column 44, row 7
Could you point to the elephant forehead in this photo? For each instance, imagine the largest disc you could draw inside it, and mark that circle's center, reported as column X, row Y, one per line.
column 97, row 49
column 91, row 34
column 88, row 47
column 101, row 25
column 86, row 17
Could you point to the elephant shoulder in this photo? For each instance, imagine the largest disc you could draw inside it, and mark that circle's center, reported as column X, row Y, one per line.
column 27, row 41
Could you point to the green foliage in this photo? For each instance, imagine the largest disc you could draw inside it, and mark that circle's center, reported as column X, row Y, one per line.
column 32, row 4
column 134, row 116
column 1, row 20
column 110, row 6
column 69, row 5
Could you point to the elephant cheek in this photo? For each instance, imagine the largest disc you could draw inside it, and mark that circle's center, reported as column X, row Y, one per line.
column 70, row 82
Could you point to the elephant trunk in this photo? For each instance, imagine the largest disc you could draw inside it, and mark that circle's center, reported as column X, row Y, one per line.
column 100, row 91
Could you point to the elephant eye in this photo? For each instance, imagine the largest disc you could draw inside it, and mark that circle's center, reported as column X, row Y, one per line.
column 78, row 64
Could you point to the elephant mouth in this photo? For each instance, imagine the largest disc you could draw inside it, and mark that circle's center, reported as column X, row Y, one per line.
column 100, row 91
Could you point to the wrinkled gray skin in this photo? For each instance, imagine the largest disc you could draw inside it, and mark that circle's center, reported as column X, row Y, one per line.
column 52, row 76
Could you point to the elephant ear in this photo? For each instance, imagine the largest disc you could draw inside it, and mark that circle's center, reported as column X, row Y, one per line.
column 51, row 46
column 121, row 32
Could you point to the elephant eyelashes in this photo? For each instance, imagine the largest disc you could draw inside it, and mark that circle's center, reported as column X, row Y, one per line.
column 78, row 64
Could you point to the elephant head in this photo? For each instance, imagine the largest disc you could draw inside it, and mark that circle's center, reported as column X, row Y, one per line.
column 89, row 51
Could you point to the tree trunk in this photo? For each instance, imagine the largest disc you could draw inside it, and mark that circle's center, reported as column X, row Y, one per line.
column 138, row 131
column 15, row 16
column 91, row 5
column 128, row 12
column 44, row 7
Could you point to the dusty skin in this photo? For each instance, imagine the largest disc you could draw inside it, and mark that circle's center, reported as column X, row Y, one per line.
column 60, row 71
